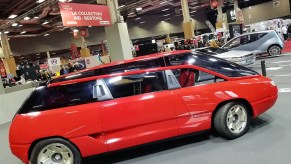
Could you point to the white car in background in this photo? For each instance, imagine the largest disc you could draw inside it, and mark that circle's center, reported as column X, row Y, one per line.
column 243, row 58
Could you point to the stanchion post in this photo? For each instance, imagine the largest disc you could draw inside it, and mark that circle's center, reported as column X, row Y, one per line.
column 263, row 66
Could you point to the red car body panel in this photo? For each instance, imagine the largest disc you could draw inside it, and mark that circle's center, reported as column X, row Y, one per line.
column 99, row 127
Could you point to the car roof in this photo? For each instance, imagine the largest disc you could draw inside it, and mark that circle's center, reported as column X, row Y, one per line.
column 257, row 32
column 136, row 59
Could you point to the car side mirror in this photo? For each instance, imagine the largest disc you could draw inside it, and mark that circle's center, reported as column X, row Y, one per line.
column 101, row 91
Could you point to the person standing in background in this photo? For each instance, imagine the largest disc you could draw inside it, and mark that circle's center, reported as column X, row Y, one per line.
column 71, row 68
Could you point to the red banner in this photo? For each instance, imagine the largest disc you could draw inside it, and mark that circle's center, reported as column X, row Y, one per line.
column 75, row 14
column 2, row 69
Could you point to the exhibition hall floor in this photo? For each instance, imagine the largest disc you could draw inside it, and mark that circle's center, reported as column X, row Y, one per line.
column 268, row 140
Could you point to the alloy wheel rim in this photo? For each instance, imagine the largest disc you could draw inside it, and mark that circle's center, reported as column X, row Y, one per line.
column 55, row 153
column 274, row 51
column 236, row 119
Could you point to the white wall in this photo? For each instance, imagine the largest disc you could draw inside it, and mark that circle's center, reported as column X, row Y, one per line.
column 10, row 103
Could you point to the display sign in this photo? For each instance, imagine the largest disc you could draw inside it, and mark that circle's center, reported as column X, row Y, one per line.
column 231, row 15
column 75, row 14
column 235, row 30
column 54, row 61
column 2, row 69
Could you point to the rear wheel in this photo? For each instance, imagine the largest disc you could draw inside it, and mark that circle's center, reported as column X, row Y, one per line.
column 274, row 50
column 55, row 151
column 232, row 120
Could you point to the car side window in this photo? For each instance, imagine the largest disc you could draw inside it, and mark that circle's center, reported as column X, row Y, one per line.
column 234, row 43
column 44, row 98
column 130, row 85
column 191, row 77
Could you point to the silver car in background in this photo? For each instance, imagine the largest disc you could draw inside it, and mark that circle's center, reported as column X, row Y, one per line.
column 257, row 42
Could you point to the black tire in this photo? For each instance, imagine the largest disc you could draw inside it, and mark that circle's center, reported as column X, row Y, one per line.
column 220, row 121
column 276, row 47
column 42, row 144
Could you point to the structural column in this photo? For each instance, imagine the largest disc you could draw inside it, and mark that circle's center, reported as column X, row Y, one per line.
column 188, row 24
column 117, row 35
column 8, row 61
column 221, row 21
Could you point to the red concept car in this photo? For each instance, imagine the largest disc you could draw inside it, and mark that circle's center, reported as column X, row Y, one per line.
column 137, row 101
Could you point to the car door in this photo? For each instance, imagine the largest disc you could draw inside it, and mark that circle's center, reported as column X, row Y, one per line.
column 140, row 110
column 198, row 95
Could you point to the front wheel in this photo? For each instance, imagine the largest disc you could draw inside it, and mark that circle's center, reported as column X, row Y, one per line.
column 57, row 151
column 232, row 120
column 274, row 50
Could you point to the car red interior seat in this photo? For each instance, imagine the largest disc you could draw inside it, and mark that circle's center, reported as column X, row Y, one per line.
column 186, row 78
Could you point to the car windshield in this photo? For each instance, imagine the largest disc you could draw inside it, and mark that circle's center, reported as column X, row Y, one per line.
column 212, row 50
column 212, row 63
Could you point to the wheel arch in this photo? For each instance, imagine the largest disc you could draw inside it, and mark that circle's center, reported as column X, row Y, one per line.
column 32, row 145
column 240, row 100
column 275, row 44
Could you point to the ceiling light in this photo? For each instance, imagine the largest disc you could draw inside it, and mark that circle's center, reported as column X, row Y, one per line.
column 153, row 41
column 138, row 9
column 167, row 15
column 14, row 24
column 40, row 1
column 163, row 2
column 26, row 18
column 75, row 30
column 69, row 0
column 165, row 9
column 142, row 22
column 46, row 34
column 6, row 32
column 12, row 16
column 36, row 54
column 138, row 18
column 20, row 25
column 46, row 22
column 36, row 17
column 62, row 0
column 90, row 26
column 23, row 32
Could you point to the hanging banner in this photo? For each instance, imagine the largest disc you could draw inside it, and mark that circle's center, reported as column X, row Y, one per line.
column 75, row 14
column 84, row 32
column 74, row 52
column 2, row 69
